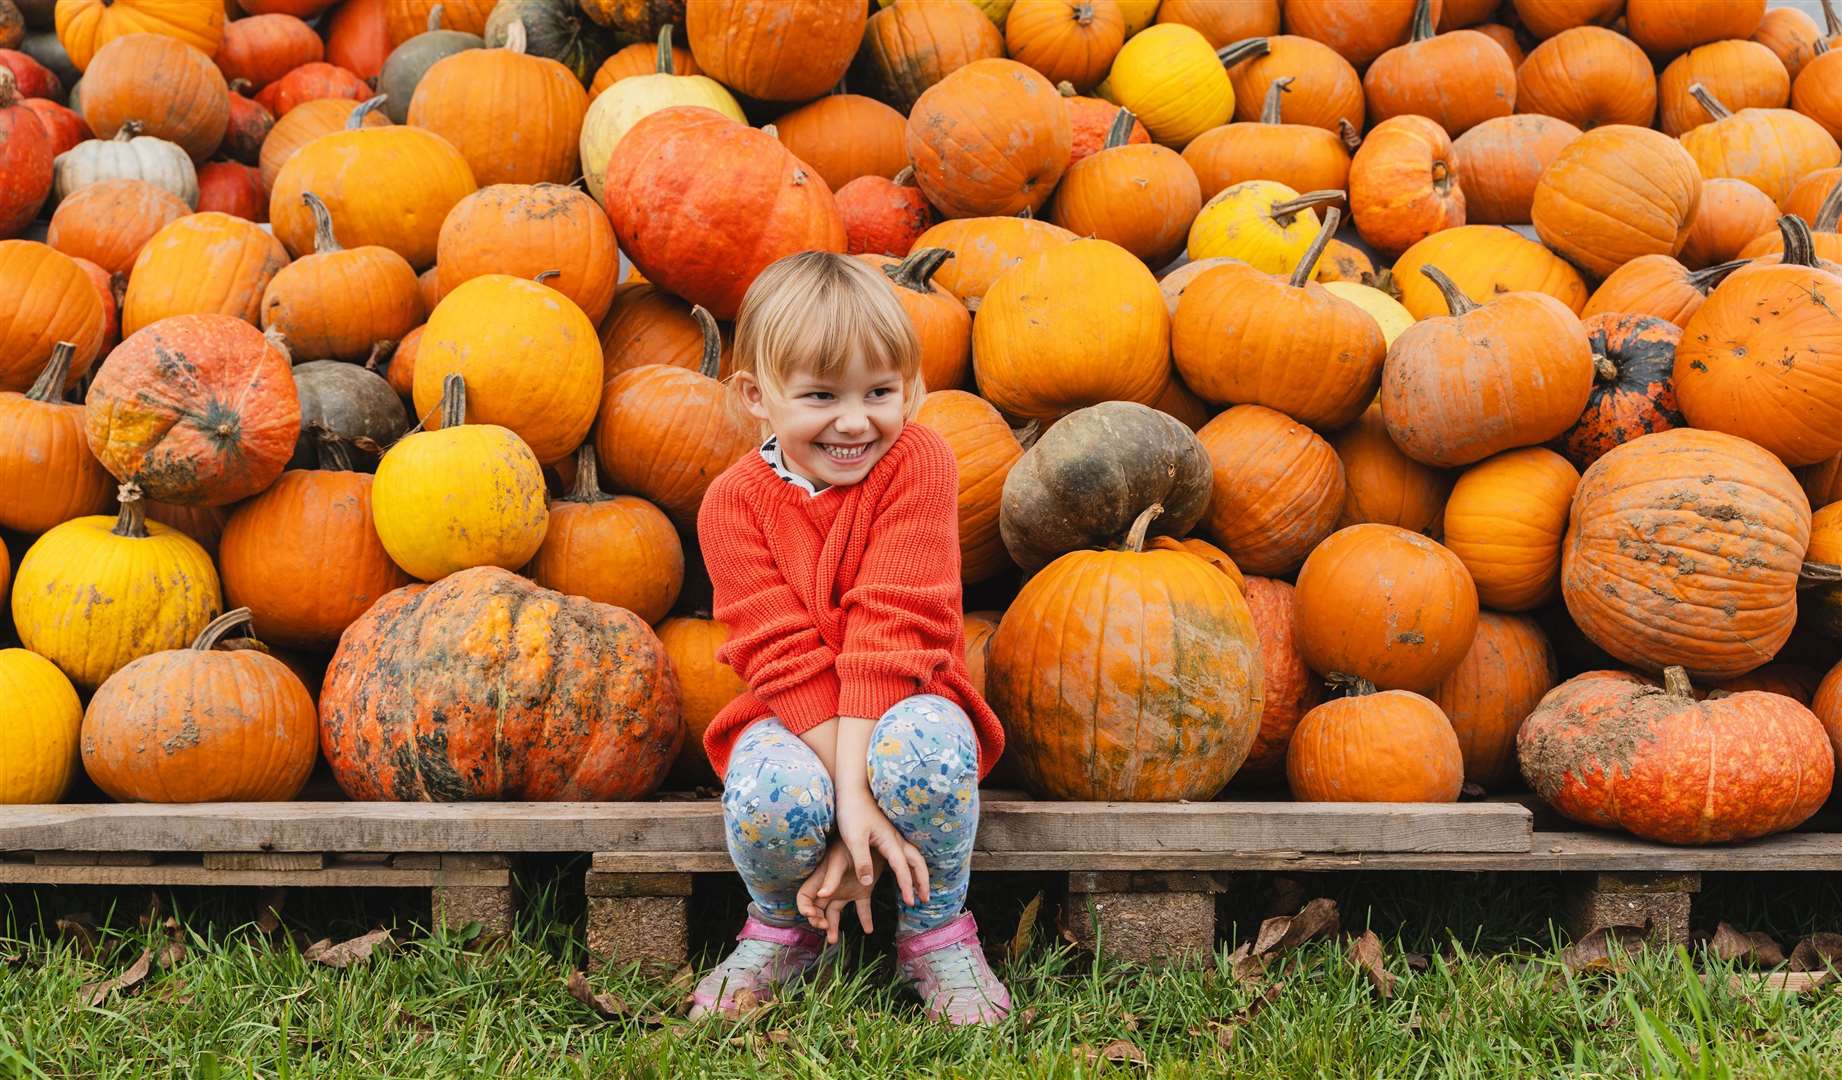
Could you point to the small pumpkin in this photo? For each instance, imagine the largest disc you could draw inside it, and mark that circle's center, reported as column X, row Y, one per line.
column 517, row 118
column 311, row 82
column 1071, row 41
column 349, row 414
column 1590, row 77
column 1277, row 488
column 910, row 45
column 1458, row 79
column 1649, row 176
column 527, row 230
column 992, row 138
column 38, row 728
column 1301, row 156
column 1791, row 35
column 1500, row 160
column 1769, row 148
column 1484, row 261
column 1175, row 81
column 1090, row 118
column 412, row 59
column 337, row 303
column 1375, row 746
column 1384, row 485
column 706, row 684
column 1291, row 690
column 1141, row 197
column 942, row 324
column 883, row 216
column 206, row 263
column 1634, row 388
column 1731, row 214
column 45, row 465
column 86, row 26
column 260, row 49
column 52, row 300
column 639, row 58
column 1742, row 74
column 650, row 326
column 845, row 137
column 985, row 248
column 128, row 156
column 1223, row 24
column 1657, row 286
column 744, row 44
column 1413, row 634
column 1327, row 91
column 1498, row 684
column 1505, row 520
column 1403, row 187
column 1358, row 34
column 614, row 112
column 1263, row 223
column 613, row 549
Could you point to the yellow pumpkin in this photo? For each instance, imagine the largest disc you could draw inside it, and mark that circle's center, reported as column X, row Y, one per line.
column 1263, row 223
column 1175, row 82
column 1138, row 14
column 39, row 719
column 467, row 495
column 531, row 359
column 96, row 592
column 628, row 101
column 1485, row 261
column 1384, row 309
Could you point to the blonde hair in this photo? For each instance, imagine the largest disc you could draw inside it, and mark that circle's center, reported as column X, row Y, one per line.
column 812, row 312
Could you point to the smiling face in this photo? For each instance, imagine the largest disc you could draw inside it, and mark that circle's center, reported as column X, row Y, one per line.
column 834, row 427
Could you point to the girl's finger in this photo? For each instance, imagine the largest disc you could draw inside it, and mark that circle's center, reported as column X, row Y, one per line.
column 919, row 865
column 898, row 862
column 863, row 914
column 834, row 876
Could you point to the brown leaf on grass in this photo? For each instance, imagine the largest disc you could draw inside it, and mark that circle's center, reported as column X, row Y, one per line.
column 1782, row 982
column 1594, row 951
column 1284, row 933
column 1366, row 951
column 1817, row 952
column 93, row 994
column 172, row 955
column 1224, row 1030
column 1417, row 961
column 1026, row 928
column 347, row 953
column 608, row 1006
column 80, row 931
column 1119, row 1051
column 780, row 1037
column 1244, row 966
column 268, row 917
column 1754, row 947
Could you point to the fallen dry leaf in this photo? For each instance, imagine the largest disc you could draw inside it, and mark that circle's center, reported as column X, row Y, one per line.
column 268, row 918
column 1594, row 951
column 347, row 953
column 1283, row 933
column 1754, row 947
column 416, row 1023
column 93, row 994
column 1817, row 952
column 1366, row 951
column 1244, row 966
column 1026, row 928
column 779, row 1037
column 1782, row 982
column 80, row 931
column 172, row 955
column 608, row 1006
column 1417, row 961
column 1119, row 1050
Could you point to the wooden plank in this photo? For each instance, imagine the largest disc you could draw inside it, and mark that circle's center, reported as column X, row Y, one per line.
column 93, row 858
column 697, row 826
column 598, row 884
column 184, row 874
column 264, row 860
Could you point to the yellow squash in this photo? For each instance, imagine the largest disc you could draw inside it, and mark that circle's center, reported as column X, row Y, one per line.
column 1384, row 309
column 1174, row 82
column 39, row 719
column 629, row 101
column 1263, row 223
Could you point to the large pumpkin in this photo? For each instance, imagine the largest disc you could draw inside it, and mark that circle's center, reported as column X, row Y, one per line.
column 1590, row 77
column 992, row 138
column 752, row 45
column 1403, row 186
column 464, row 496
column 307, row 122
column 614, row 112
column 202, row 725
column 1684, row 549
column 1301, row 156
column 1277, row 488
column 205, row 263
column 1291, row 690
column 1392, row 746
column 517, row 119
column 1504, row 521
column 910, row 45
column 1384, row 485
column 1666, row 27
column 702, row 204
column 1647, row 176
column 1406, row 637
column 985, row 248
column 1653, row 761
column 572, row 700
column 1484, row 261
column 847, row 136
column 338, row 303
column 39, row 719
column 1500, row 160
column 986, row 449
column 85, row 26
column 1769, row 379
column 51, row 299
column 96, row 592
column 196, row 409
column 1127, row 675
column 1634, row 388
column 1499, row 682
column 705, row 685
column 189, row 104
column 1513, row 372
column 46, row 467
column 612, row 549
column 526, row 230
column 1041, row 348
column 1772, row 149
column 1457, row 79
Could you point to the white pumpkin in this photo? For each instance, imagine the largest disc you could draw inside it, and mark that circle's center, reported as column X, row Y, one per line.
column 631, row 100
column 127, row 156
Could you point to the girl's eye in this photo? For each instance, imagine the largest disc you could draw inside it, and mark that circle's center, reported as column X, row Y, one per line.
column 881, row 392
column 819, row 395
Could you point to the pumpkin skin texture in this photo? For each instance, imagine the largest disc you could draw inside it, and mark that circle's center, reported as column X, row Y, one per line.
column 1499, row 682
column 64, row 127
column 125, row 157
column 1090, row 477
column 612, row 549
column 706, row 684
column 206, row 263
column 1262, row 223
column 86, row 26
column 524, row 231
column 702, row 204
column 517, row 119
column 1656, row 763
column 1172, row 79
column 306, row 122
column 1326, row 92
column 311, row 525
column 1827, row 705
column 1484, row 261
column 992, row 138
column 1590, row 77
column 189, row 104
column 1649, row 178
column 51, row 299
column 1634, row 387
column 985, row 248
column 1091, row 119
column 1791, row 35
column 1730, row 215
column 484, row 686
column 1458, row 79
column 1222, row 23
column 260, row 49
column 1402, row 184
column 882, row 217
column 202, row 725
column 1657, row 286
column 1784, row 316
column 614, row 113
column 96, row 592
column 1391, row 746
column 1040, row 350
column 749, row 44
column 910, row 45
column 1384, row 485
column 1291, row 690
column 465, row 496
column 1771, row 149
column 1500, row 160
column 1546, row 18
column 1300, row 156
column 986, row 450
column 311, row 82
column 338, row 303
column 1505, row 520
column 1742, row 74
column 1514, row 372
column 651, row 326
column 1667, row 27
column 1278, row 488
column 1817, row 96
column 38, row 728
column 1128, row 675
column 1071, row 41
column 1413, row 635
column 358, row 37
column 1174, row 284
column 196, row 409
column 1807, row 197
column 25, row 161
column 1359, row 33
column 845, row 137
column 1713, row 585
column 45, row 465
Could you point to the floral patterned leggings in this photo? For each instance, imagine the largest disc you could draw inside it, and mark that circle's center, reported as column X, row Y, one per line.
column 778, row 806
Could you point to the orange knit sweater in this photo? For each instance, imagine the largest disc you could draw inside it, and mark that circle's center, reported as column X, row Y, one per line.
column 841, row 603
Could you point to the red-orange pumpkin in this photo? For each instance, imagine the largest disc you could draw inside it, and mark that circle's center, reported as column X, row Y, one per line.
column 1291, row 689
column 991, row 138
column 1403, row 187
column 1634, row 386
column 845, row 136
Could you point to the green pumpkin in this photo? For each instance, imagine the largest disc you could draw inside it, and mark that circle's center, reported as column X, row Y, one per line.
column 408, row 62
column 554, row 29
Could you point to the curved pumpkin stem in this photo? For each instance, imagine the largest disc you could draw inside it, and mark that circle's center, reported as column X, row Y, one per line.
column 130, row 130
column 1350, row 685
column 1455, row 299
column 453, row 400
column 1120, row 133
column 434, row 22
column 1282, row 213
column 241, row 86
column 131, row 519
column 1703, row 281
column 324, row 242
column 1799, row 246
column 1818, row 573
column 587, row 487
column 917, row 271
column 49, row 386
column 1676, row 683
column 357, row 119
column 1831, row 20
column 1245, row 49
column 1709, row 102
column 1352, row 139
column 1422, row 22
column 770, row 130
column 712, row 363
column 543, row 276
column 1270, row 108
column 1309, row 264
column 1829, row 212
column 1135, row 537
column 207, row 638
column 1067, row 89
column 905, row 178
column 667, row 64
column 333, row 455
column 515, row 39
column 381, row 351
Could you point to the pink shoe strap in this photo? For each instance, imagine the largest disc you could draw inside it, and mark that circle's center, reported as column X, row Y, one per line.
column 792, row 936
column 961, row 929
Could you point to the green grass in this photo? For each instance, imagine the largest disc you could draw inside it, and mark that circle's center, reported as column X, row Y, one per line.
column 1493, row 999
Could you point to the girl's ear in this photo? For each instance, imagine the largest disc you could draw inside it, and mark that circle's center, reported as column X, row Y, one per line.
column 749, row 389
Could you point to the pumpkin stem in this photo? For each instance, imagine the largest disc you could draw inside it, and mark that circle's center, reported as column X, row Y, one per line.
column 668, row 64
column 1821, row 48
column 1135, row 537
column 515, row 40
column 129, row 130
column 49, row 386
column 1422, row 21
column 324, row 242
column 333, row 454
column 1455, row 299
column 357, row 119
column 905, row 178
column 1067, row 89
column 1245, row 49
column 1027, row 214
column 1676, row 682
column 1831, row 20
column 712, row 362
column 770, row 130
column 1350, row 685
column 1705, row 280
column 918, row 269
column 131, row 519
column 1083, row 14
column 1309, row 264
column 1282, row 213
column 1352, row 139
column 1709, row 102
column 1603, row 368
column 453, row 400
column 543, row 276
column 1799, row 246
column 1817, row 573
column 1829, row 212
column 434, row 22
column 240, row 86
column 587, row 488
column 381, row 351
column 1027, row 435
column 9, row 89
column 1120, row 133
column 208, row 637
column 1270, row 109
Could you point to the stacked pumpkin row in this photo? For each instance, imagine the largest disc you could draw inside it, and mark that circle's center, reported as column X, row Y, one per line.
column 1354, row 421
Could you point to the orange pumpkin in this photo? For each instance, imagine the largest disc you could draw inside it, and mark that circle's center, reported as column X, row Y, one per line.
column 1791, row 35
column 1358, row 32
column 981, row 626
column 1590, row 77
column 1458, row 79
column 1223, row 22
column 1505, row 520
column 1546, row 18
column 1741, row 74
column 1809, row 194
column 1500, row 160
column 84, row 27
column 1827, row 705
column 337, row 304
column 845, row 136
column 189, row 104
column 1139, row 196
column 651, row 326
column 1497, row 685
column 1090, row 119
column 526, row 230
column 1402, row 184
column 992, row 138
column 1412, row 634
column 1484, row 261
column 1815, row 94
column 311, row 82
column 52, row 300
column 1067, row 40
column 1823, row 482
column 208, row 263
column 108, row 222
column 262, row 48
column 910, row 45
column 517, row 119
column 1666, row 27
column 1278, row 488
column 1384, row 485
column 1327, row 92
column 705, row 684
column 358, row 36
column 1291, row 690
column 745, row 44
column 1300, row 156
column 1825, row 233
column 1658, row 286
column 1390, row 746
column 45, row 465
column 941, row 322
column 404, row 19
column 1648, row 176
column 985, row 448
column 1794, row 681
column 640, row 58
column 985, row 248
column 1770, row 148
column 306, row 122
column 613, row 549
column 1730, row 215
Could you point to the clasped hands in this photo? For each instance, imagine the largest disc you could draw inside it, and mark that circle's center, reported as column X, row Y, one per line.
column 866, row 845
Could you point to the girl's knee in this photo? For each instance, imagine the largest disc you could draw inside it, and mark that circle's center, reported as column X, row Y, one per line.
column 924, row 762
column 925, row 725
column 777, row 793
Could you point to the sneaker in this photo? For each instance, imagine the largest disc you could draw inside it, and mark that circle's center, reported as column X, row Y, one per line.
column 765, row 957
column 947, row 967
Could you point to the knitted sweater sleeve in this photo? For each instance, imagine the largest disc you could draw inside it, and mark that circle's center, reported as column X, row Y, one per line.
column 773, row 643
column 902, row 619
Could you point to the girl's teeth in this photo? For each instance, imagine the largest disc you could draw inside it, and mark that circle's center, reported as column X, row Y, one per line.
column 845, row 454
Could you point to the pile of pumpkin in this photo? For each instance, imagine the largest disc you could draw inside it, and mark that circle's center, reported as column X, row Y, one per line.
column 311, row 312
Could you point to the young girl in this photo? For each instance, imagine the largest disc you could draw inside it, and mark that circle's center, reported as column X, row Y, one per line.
column 834, row 553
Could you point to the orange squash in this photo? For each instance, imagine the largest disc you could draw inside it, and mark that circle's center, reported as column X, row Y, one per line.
column 1458, row 79
column 1741, row 74
column 1647, row 175
column 517, row 119
column 1384, row 485
column 941, row 322
column 992, row 138
column 613, row 549
column 45, row 465
column 746, row 44
column 1071, row 41
column 845, row 136
column 1505, row 520
column 1403, row 187
column 1500, row 160
column 207, row 263
column 1326, row 90
column 1139, row 196
column 189, row 104
column 1590, row 77
column 1291, row 690
column 53, row 300
column 1658, row 286
column 985, row 448
column 1731, row 214
column 338, row 303
column 1771, row 149
column 705, row 684
column 1411, row 635
column 1278, row 488
column 1389, row 746
column 1301, row 156
column 1484, row 261
column 527, row 230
